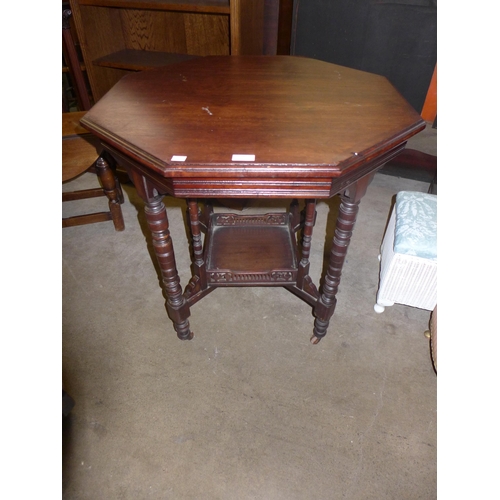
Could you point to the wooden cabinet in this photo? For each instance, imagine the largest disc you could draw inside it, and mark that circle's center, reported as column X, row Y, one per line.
column 119, row 36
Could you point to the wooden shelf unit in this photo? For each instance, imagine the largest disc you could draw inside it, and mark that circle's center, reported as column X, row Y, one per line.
column 139, row 60
column 207, row 6
column 119, row 36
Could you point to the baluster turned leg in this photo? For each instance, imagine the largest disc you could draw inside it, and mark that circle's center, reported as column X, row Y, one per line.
column 198, row 262
column 177, row 307
column 112, row 191
column 325, row 307
column 310, row 216
column 194, row 213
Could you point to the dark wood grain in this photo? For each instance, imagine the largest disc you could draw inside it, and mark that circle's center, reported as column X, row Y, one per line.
column 74, row 65
column 299, row 117
column 80, row 152
column 194, row 27
column 177, row 308
column 248, row 249
column 207, row 6
column 316, row 130
column 140, row 60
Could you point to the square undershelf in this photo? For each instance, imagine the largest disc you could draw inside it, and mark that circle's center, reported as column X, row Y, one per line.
column 251, row 249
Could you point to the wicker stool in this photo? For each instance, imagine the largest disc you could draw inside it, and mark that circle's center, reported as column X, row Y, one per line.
column 408, row 257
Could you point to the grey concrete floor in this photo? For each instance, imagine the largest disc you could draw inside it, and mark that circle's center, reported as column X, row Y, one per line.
column 248, row 409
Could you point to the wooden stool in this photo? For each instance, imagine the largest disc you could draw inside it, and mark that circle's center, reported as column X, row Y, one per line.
column 81, row 153
column 408, row 258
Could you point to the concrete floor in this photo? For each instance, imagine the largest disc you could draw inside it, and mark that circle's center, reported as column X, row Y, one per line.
column 248, row 409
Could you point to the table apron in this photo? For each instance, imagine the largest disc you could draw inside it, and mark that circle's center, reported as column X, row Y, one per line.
column 250, row 187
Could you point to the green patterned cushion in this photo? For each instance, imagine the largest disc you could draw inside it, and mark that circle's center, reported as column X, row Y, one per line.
column 416, row 224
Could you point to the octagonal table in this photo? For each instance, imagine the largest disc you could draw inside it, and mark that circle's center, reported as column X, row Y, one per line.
column 252, row 127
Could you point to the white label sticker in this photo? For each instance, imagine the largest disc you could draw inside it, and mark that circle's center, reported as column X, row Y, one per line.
column 178, row 158
column 243, row 158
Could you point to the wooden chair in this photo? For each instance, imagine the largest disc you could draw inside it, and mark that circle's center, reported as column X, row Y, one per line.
column 81, row 153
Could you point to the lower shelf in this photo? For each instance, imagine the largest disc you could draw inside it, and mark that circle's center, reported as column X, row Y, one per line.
column 251, row 250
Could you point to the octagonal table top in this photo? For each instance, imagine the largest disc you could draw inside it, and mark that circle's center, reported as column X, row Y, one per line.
column 232, row 116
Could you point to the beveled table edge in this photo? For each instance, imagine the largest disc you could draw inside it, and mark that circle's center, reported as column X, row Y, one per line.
column 248, row 169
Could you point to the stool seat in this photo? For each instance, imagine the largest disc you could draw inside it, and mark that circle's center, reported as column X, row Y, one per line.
column 80, row 149
column 78, row 155
column 81, row 152
column 416, row 224
column 408, row 257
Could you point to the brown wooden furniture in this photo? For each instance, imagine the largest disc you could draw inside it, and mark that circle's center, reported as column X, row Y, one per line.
column 119, row 36
column 74, row 66
column 307, row 129
column 81, row 152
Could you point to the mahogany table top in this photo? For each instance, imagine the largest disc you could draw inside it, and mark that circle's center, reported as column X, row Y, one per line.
column 296, row 118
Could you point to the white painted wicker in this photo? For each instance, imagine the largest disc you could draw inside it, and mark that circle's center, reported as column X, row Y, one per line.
column 405, row 279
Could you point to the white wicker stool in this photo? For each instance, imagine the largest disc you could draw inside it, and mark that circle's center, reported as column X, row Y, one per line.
column 408, row 255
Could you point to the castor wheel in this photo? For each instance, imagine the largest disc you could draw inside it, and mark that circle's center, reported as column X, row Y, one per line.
column 315, row 340
column 188, row 337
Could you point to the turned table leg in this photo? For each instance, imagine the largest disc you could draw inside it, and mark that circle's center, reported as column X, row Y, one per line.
column 346, row 219
column 112, row 190
column 177, row 307
column 310, row 216
column 198, row 262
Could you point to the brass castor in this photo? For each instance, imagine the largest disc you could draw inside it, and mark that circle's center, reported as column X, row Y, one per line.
column 315, row 340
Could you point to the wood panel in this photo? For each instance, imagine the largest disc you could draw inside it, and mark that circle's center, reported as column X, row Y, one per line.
column 247, row 27
column 110, row 29
column 207, row 6
column 234, row 247
column 277, row 27
column 139, row 60
column 284, row 34
column 207, row 35
column 151, row 30
column 100, row 33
